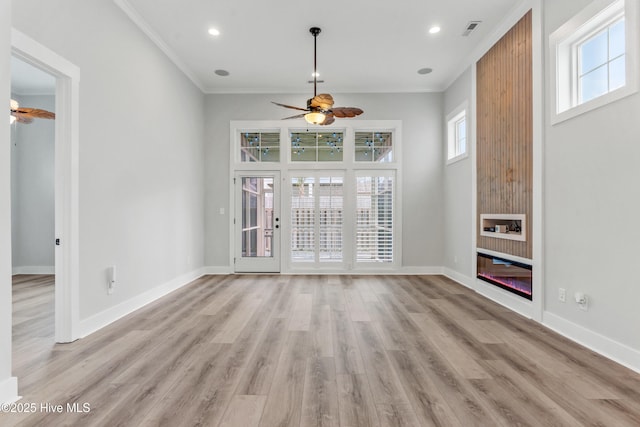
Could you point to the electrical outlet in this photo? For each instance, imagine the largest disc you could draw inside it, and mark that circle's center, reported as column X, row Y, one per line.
column 582, row 300
column 562, row 295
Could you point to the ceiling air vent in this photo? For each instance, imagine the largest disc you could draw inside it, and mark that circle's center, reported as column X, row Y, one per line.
column 471, row 26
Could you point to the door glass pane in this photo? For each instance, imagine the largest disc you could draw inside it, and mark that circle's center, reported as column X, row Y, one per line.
column 374, row 219
column 331, row 209
column 257, row 216
column 303, row 219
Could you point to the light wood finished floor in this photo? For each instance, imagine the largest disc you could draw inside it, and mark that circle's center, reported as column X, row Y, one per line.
column 253, row 350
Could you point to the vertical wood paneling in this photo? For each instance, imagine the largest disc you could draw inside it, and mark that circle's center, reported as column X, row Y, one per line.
column 505, row 135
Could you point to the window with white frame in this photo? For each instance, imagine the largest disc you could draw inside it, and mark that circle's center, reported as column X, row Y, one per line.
column 593, row 58
column 317, row 205
column 601, row 62
column 374, row 217
column 457, row 134
column 339, row 191
column 260, row 147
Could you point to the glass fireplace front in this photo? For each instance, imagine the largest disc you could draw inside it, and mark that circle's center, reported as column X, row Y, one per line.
column 509, row 275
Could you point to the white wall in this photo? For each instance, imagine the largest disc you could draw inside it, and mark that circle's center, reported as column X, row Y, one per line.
column 591, row 200
column 141, row 143
column 421, row 114
column 32, row 198
column 8, row 384
column 458, row 188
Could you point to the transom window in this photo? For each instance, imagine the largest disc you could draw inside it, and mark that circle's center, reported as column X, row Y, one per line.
column 374, row 147
column 260, row 147
column 316, row 146
column 594, row 59
column 601, row 62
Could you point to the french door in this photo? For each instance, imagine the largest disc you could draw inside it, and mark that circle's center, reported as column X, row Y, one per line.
column 257, row 222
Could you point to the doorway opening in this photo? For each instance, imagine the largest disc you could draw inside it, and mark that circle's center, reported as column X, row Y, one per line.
column 32, row 211
column 65, row 179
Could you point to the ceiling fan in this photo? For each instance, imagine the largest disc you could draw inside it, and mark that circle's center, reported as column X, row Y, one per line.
column 26, row 115
column 320, row 109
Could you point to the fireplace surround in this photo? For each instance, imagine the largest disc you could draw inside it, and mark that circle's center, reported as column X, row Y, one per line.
column 513, row 276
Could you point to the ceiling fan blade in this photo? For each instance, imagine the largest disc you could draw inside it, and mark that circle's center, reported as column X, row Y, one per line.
column 346, row 111
column 328, row 119
column 298, row 116
column 290, row 106
column 35, row 113
column 324, row 101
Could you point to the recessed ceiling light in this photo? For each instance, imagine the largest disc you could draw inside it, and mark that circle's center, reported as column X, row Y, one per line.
column 434, row 30
column 214, row 31
column 222, row 73
column 425, row 70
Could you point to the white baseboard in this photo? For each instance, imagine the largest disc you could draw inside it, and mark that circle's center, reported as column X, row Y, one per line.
column 110, row 315
column 459, row 277
column 34, row 270
column 607, row 347
column 417, row 270
column 217, row 270
column 409, row 270
column 9, row 390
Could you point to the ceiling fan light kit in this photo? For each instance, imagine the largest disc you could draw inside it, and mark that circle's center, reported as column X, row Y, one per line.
column 320, row 110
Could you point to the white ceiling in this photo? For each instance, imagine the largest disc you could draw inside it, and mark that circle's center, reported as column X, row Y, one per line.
column 365, row 45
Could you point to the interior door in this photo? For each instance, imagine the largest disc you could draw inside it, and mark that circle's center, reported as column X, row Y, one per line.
column 257, row 222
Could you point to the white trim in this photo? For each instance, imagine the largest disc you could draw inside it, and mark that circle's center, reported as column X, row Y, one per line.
column 601, row 344
column 217, row 270
column 144, row 26
column 66, row 178
column 34, row 270
column 402, row 271
column 505, row 256
column 9, row 390
column 505, row 298
column 464, row 280
column 110, row 315
column 537, row 220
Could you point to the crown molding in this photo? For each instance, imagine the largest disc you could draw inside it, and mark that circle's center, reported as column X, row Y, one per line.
column 144, row 26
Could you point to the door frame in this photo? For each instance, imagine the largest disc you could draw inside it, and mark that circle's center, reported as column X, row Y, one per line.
column 259, row 267
column 67, row 306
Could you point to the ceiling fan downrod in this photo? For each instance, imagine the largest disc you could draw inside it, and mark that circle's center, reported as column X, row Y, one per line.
column 315, row 31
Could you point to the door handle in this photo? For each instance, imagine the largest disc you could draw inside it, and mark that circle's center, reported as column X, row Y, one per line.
column 277, row 226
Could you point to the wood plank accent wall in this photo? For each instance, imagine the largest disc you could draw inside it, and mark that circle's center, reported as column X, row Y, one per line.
column 505, row 135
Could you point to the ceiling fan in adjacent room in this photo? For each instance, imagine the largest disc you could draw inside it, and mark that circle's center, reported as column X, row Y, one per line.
column 320, row 109
column 26, row 115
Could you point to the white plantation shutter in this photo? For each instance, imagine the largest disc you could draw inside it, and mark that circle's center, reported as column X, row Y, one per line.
column 331, row 211
column 316, row 218
column 374, row 217
column 303, row 206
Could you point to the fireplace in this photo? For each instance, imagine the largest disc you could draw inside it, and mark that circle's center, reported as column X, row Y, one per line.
column 510, row 275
